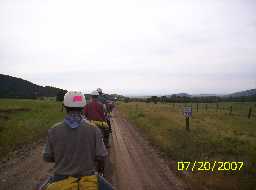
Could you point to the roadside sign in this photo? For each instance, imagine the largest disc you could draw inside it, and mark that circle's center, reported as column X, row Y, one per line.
column 187, row 112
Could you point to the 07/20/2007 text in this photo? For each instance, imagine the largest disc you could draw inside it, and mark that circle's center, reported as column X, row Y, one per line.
column 209, row 166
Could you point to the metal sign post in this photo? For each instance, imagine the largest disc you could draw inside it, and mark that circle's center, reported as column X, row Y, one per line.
column 187, row 112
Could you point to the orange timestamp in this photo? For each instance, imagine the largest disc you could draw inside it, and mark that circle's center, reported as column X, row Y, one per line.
column 209, row 166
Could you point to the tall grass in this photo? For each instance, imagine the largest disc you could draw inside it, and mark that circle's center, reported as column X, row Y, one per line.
column 25, row 121
column 214, row 135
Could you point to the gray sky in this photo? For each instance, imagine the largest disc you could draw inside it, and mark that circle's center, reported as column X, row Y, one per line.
column 131, row 47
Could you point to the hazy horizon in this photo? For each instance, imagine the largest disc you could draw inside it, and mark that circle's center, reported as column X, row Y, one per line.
column 147, row 94
column 135, row 47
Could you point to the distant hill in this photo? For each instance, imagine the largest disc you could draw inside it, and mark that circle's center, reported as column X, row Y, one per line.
column 245, row 93
column 243, row 96
column 12, row 87
column 180, row 95
column 205, row 95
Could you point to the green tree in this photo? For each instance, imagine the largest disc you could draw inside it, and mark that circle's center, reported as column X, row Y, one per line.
column 60, row 95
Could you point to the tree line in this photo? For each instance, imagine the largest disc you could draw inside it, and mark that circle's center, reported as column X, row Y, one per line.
column 12, row 87
column 186, row 99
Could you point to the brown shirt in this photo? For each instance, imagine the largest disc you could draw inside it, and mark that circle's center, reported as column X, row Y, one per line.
column 74, row 151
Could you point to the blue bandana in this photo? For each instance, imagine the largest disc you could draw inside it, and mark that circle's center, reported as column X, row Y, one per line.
column 73, row 120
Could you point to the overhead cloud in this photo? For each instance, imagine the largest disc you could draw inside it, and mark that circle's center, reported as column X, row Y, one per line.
column 131, row 47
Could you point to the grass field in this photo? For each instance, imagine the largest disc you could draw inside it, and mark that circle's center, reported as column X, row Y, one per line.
column 215, row 135
column 25, row 121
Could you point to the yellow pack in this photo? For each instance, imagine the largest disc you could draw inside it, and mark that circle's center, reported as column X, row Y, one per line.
column 102, row 124
column 71, row 183
column 89, row 183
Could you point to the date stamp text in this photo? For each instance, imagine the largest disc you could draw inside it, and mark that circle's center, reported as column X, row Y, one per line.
column 209, row 166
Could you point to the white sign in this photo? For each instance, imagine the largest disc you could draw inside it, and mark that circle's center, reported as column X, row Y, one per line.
column 187, row 112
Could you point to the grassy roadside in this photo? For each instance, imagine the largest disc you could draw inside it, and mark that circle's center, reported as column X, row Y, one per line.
column 213, row 136
column 25, row 121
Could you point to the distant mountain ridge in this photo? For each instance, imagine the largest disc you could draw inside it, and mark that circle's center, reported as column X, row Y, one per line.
column 181, row 95
column 245, row 93
column 12, row 87
column 251, row 92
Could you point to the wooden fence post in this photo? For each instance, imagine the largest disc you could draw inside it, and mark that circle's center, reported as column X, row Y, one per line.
column 250, row 113
column 217, row 107
column 206, row 107
column 187, row 123
column 197, row 107
column 230, row 112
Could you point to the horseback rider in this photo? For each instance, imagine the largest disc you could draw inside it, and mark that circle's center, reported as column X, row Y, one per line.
column 95, row 112
column 76, row 148
column 101, row 97
column 107, row 109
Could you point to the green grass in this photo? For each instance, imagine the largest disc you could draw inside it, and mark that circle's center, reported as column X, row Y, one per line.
column 214, row 135
column 25, row 121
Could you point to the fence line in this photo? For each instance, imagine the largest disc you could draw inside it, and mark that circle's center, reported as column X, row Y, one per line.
column 231, row 110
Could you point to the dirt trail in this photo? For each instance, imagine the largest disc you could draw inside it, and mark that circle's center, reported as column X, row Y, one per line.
column 23, row 172
column 132, row 164
column 136, row 164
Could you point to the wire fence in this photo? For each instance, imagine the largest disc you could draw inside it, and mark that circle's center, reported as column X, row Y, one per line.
column 243, row 109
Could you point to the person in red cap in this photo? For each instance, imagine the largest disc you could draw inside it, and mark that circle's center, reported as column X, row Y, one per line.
column 95, row 112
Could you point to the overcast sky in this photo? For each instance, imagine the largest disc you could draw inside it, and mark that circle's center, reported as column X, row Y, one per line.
column 131, row 47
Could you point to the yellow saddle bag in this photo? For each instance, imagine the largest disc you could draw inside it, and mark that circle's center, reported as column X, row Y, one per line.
column 72, row 183
column 100, row 124
column 89, row 183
